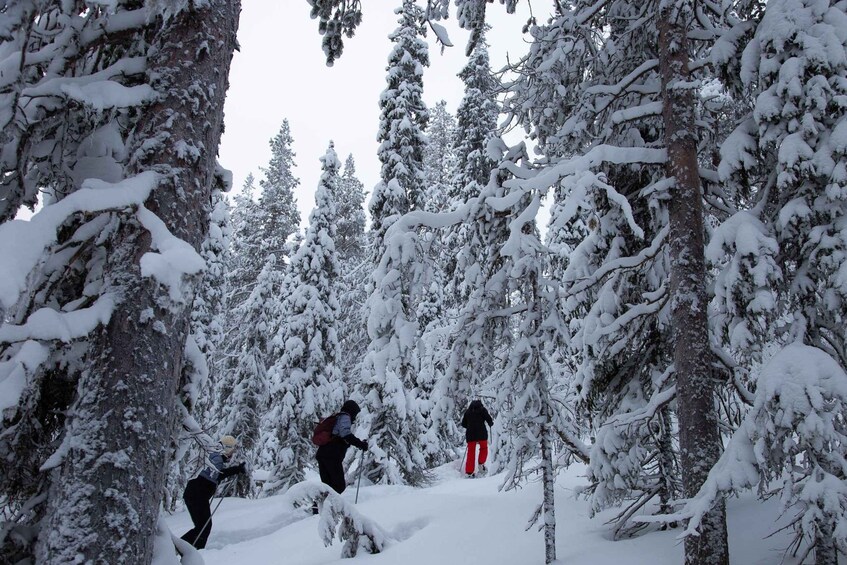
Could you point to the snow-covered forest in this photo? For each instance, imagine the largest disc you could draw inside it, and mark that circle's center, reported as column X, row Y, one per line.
column 629, row 241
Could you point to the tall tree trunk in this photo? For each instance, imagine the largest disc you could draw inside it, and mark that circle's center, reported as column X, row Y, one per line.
column 105, row 496
column 826, row 552
column 699, row 439
column 549, row 482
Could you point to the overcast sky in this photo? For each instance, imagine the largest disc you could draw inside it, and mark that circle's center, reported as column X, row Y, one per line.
column 280, row 72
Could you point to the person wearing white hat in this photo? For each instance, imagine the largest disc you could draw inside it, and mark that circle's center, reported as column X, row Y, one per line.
column 200, row 490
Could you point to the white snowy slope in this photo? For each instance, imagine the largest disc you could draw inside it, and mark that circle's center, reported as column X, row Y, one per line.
column 459, row 521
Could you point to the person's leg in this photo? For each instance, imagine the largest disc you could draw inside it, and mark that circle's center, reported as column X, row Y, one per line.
column 323, row 470
column 197, row 496
column 470, row 460
column 483, row 451
column 336, row 475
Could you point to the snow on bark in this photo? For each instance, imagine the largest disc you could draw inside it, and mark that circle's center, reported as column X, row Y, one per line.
column 699, row 441
column 105, row 495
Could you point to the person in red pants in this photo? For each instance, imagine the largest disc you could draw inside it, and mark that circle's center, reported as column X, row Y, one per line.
column 474, row 420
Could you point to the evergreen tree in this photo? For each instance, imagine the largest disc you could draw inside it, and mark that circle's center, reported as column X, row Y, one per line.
column 477, row 125
column 279, row 216
column 781, row 254
column 390, row 368
column 242, row 396
column 403, row 117
column 595, row 113
column 305, row 380
column 245, row 258
column 351, row 213
column 112, row 259
column 439, row 161
column 351, row 243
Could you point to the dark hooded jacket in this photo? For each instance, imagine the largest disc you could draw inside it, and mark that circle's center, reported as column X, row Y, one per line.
column 342, row 436
column 474, row 422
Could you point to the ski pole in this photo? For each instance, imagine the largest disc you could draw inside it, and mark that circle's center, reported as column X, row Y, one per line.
column 462, row 464
column 224, row 490
column 359, row 481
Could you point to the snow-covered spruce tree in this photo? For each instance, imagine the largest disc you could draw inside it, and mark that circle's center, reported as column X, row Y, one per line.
column 620, row 342
column 439, row 158
column 781, row 260
column 792, row 441
column 305, row 381
column 240, row 412
column 355, row 268
column 433, row 343
column 476, row 126
column 350, row 200
column 199, row 371
column 403, row 118
column 390, row 369
column 106, row 371
column 278, row 213
column 244, row 260
column 529, row 419
column 607, row 146
column 468, row 247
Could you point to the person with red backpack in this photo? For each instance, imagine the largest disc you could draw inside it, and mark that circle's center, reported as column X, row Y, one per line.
column 333, row 445
column 476, row 434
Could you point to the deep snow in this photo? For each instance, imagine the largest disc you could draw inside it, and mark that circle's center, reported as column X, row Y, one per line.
column 466, row 522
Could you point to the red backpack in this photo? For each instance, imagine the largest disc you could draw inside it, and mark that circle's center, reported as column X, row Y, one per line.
column 323, row 431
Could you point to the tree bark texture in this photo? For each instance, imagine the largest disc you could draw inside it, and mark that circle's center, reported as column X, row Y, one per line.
column 549, row 482
column 104, row 497
column 826, row 551
column 699, row 439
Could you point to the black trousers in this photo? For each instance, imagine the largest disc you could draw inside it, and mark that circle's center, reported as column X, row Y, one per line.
column 198, row 495
column 331, row 468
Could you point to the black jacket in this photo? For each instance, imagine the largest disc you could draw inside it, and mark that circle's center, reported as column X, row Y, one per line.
column 474, row 422
column 342, row 437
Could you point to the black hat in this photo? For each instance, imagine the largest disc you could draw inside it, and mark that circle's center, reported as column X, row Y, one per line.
column 352, row 408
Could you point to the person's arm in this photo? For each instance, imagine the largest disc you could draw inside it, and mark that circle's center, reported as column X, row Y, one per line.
column 234, row 470
column 488, row 418
column 465, row 419
column 343, row 430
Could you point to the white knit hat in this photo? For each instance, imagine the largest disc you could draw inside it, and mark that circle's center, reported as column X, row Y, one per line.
column 229, row 442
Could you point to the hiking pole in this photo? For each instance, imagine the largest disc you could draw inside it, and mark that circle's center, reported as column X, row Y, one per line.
column 359, row 481
column 462, row 464
column 229, row 483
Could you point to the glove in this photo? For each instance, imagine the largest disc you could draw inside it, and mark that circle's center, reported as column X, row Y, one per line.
column 242, row 468
column 363, row 444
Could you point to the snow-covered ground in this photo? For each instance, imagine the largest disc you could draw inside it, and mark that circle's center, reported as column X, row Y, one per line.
column 459, row 521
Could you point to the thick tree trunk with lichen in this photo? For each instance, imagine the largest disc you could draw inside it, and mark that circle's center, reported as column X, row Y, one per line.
column 699, row 439
column 105, row 495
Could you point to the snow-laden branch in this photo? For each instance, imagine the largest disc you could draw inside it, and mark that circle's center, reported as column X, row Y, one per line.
column 657, row 401
column 637, row 112
column 575, row 445
column 656, row 301
column 792, row 433
column 616, row 89
column 630, row 262
column 97, row 90
column 578, row 165
column 176, row 257
column 22, row 243
column 50, row 324
column 15, row 372
column 115, row 23
column 358, row 532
